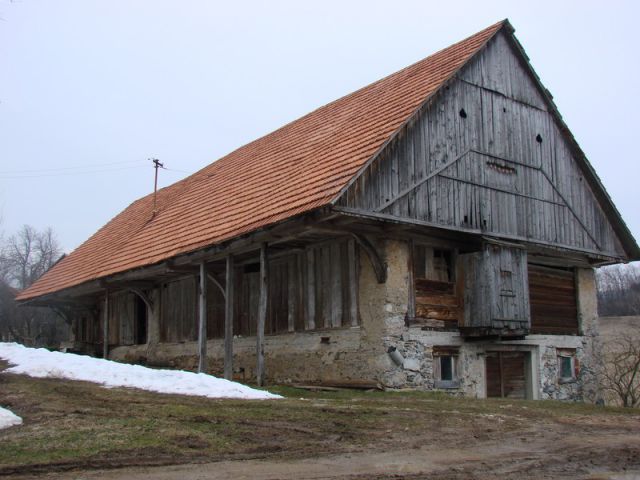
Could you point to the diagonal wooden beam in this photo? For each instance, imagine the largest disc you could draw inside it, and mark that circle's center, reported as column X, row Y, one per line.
column 378, row 264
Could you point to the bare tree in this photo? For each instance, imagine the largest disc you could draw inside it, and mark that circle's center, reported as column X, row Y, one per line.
column 621, row 368
column 619, row 290
column 24, row 257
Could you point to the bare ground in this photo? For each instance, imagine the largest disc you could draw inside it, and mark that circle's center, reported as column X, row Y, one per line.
column 77, row 430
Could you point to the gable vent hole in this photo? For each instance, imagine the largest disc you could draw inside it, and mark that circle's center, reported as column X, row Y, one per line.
column 504, row 110
column 539, row 138
column 463, row 114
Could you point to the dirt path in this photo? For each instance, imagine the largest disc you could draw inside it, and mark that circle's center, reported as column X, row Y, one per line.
column 76, row 430
column 614, row 456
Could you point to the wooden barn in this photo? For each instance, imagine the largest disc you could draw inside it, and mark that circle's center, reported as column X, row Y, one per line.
column 437, row 229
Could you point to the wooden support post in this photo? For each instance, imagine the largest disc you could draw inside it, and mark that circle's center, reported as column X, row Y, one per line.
column 228, row 321
column 262, row 314
column 202, row 316
column 411, row 300
column 311, row 290
column 353, row 282
column 105, row 326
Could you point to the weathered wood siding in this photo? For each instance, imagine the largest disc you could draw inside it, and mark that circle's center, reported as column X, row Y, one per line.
column 88, row 330
column 122, row 318
column 438, row 289
column 505, row 374
column 487, row 155
column 496, row 292
column 554, row 306
column 321, row 275
column 178, row 310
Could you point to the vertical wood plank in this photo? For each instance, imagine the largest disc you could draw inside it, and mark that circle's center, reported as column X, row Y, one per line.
column 311, row 290
column 335, row 285
column 262, row 314
column 105, row 333
column 291, row 294
column 353, row 282
column 228, row 320
column 202, row 320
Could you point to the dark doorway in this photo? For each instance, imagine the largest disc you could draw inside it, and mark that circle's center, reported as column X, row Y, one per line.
column 506, row 374
column 141, row 321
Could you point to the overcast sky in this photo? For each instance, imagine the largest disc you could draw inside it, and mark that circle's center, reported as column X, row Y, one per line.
column 90, row 89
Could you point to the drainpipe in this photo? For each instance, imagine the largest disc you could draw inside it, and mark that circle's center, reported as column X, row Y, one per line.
column 396, row 356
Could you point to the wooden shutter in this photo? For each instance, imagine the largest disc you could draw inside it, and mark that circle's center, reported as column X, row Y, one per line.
column 553, row 301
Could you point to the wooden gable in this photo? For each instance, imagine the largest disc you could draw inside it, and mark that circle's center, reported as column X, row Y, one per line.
column 488, row 155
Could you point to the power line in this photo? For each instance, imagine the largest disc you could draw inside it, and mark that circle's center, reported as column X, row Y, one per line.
column 81, row 167
column 69, row 174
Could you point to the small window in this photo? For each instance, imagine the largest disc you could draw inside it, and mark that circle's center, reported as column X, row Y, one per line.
column 445, row 360
column 567, row 365
column 447, row 367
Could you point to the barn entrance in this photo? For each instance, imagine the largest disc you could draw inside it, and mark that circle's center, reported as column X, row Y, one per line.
column 508, row 374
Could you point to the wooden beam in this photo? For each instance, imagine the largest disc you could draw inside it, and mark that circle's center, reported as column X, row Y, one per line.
column 411, row 301
column 202, row 317
column 131, row 284
column 172, row 268
column 352, row 259
column 262, row 313
column 379, row 266
column 143, row 296
column 311, row 289
column 217, row 284
column 228, row 321
column 105, row 326
column 440, row 229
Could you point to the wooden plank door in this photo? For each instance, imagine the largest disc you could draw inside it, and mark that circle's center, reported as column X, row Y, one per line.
column 505, row 375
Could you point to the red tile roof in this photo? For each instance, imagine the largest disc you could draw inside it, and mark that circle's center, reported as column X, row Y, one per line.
column 295, row 169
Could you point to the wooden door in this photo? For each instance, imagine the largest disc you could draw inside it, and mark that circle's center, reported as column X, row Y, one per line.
column 505, row 374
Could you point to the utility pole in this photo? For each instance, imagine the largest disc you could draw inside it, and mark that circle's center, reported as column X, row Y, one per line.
column 156, row 165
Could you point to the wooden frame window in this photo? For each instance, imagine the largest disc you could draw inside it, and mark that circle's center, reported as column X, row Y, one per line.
column 567, row 365
column 433, row 264
column 445, row 367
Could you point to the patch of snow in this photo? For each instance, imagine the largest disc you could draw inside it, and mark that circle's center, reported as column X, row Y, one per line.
column 42, row 363
column 8, row 418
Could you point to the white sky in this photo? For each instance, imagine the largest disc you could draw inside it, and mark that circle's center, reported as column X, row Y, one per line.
column 106, row 84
